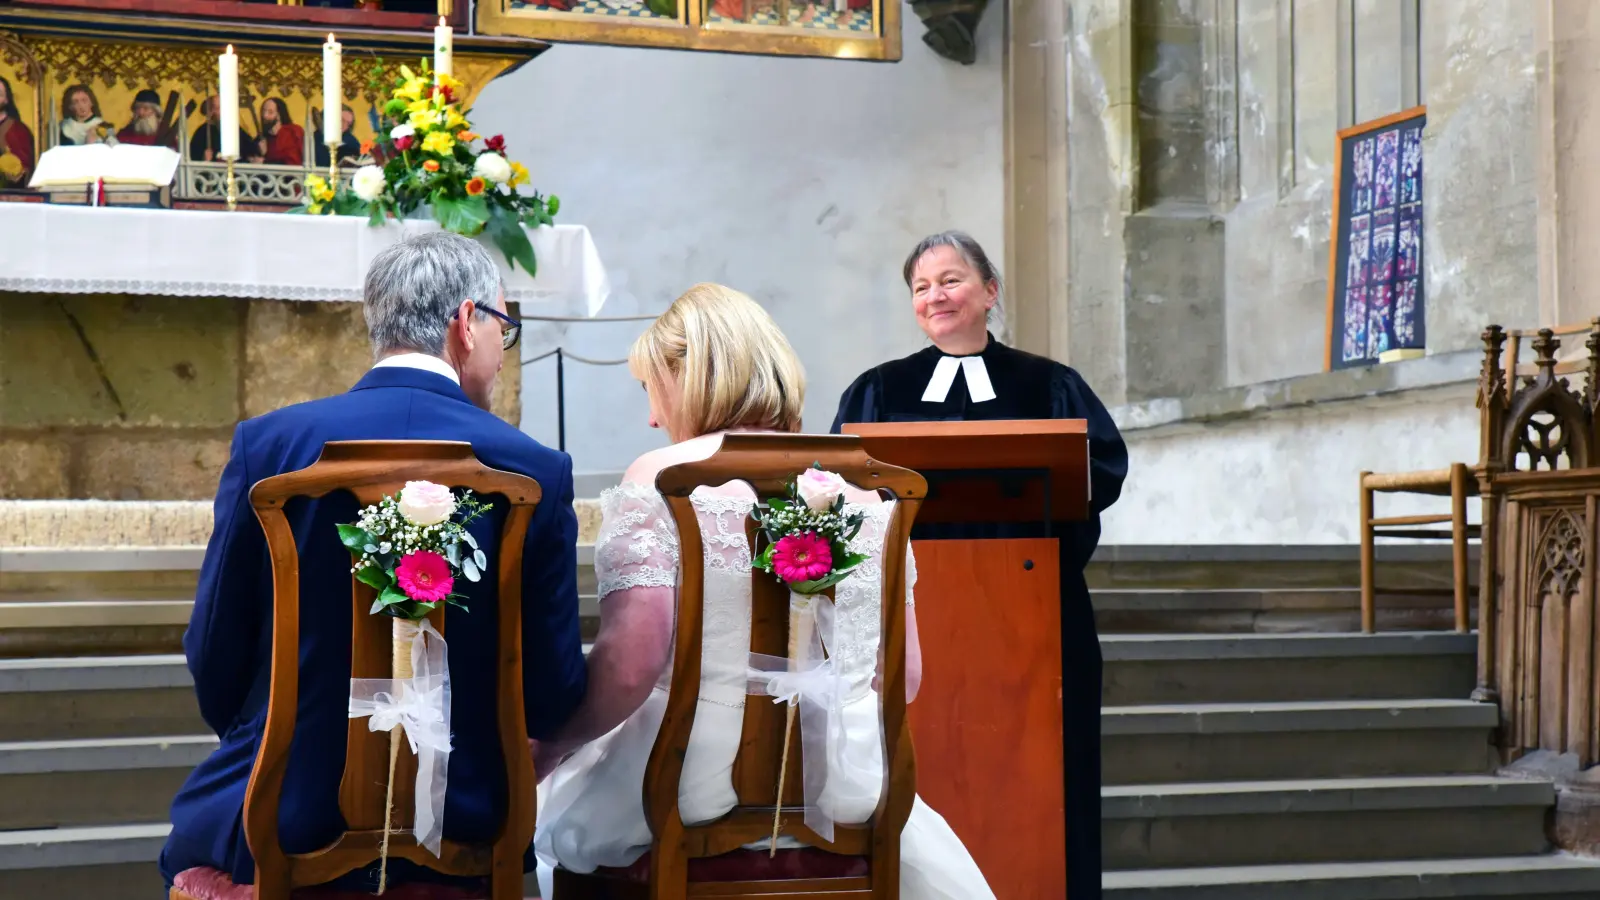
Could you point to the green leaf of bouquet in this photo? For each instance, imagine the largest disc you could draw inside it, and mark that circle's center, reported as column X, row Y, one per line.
column 374, row 577
column 392, row 595
column 505, row 229
column 471, row 541
column 377, row 607
column 452, row 555
column 462, row 215
column 455, row 600
column 482, row 560
column 355, row 537
column 818, row 585
column 375, row 213
column 470, row 569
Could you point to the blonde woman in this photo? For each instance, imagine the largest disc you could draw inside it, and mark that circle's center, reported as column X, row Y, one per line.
column 713, row 363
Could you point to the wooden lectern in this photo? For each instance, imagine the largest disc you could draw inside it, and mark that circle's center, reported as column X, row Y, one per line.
column 987, row 722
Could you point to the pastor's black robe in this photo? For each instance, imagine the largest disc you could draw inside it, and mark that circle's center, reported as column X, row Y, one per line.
column 1029, row 387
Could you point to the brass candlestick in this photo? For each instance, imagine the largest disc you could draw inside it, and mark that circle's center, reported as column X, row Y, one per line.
column 232, row 186
column 333, row 165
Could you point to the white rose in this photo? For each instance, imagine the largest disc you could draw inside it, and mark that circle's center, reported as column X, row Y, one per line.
column 368, row 183
column 401, row 131
column 819, row 489
column 492, row 167
column 425, row 503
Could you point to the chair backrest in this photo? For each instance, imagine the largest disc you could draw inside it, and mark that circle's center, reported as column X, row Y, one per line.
column 369, row 470
column 767, row 462
column 1516, row 371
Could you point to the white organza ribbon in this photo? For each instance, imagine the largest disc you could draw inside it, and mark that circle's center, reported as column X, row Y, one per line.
column 420, row 705
column 809, row 678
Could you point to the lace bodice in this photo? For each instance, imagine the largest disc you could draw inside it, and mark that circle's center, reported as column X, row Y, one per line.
column 638, row 547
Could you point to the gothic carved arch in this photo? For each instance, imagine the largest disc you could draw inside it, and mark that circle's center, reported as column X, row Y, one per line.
column 1547, row 420
column 1560, row 558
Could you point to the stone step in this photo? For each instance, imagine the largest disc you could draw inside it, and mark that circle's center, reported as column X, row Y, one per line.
column 1344, row 819
column 92, row 627
column 1262, row 566
column 106, row 781
column 1548, row 876
column 1201, row 668
column 1265, row 610
column 113, row 862
column 1310, row 739
column 96, row 697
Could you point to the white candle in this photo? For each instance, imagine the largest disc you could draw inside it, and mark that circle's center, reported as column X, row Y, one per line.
column 443, row 41
column 332, row 92
column 228, row 102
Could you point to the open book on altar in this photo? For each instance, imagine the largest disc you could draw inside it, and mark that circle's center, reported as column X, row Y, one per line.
column 124, row 164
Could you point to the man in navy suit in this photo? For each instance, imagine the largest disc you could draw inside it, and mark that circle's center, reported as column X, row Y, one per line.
column 435, row 311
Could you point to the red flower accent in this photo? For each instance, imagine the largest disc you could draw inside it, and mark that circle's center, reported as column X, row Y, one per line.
column 403, row 143
column 802, row 557
column 496, row 144
column 424, row 576
column 448, row 94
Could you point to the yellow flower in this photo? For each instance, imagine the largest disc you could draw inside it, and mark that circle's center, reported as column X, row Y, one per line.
column 421, row 105
column 439, row 142
column 411, row 89
column 452, row 83
column 315, row 209
column 315, row 185
column 519, row 174
column 424, row 118
column 10, row 165
column 454, row 120
column 325, row 195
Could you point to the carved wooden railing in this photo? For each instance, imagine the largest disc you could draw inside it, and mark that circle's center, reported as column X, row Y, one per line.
column 1539, row 476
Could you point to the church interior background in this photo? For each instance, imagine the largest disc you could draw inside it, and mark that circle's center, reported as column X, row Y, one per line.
column 1173, row 188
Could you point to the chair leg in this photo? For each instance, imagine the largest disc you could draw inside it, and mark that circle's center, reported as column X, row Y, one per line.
column 1369, row 612
column 1458, row 542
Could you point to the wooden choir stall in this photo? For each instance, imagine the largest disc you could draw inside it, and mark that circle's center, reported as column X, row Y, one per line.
column 987, row 723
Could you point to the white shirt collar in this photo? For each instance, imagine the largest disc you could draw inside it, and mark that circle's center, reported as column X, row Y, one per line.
column 979, row 387
column 419, row 361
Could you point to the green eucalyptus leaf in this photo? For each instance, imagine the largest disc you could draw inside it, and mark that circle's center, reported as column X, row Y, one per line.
column 470, row 569
column 482, row 560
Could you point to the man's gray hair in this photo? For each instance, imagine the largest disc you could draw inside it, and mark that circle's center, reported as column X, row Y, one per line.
column 414, row 286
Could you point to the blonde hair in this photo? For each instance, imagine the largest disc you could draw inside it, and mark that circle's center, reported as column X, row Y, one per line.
column 733, row 366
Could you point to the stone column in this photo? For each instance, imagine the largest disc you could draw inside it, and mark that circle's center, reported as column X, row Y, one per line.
column 1568, row 126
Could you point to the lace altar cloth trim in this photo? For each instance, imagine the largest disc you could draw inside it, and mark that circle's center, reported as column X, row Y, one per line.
column 258, row 256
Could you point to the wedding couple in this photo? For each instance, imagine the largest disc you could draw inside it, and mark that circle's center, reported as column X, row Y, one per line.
column 714, row 362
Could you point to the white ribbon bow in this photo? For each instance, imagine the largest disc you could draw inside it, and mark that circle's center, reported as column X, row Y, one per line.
column 810, row 679
column 420, row 705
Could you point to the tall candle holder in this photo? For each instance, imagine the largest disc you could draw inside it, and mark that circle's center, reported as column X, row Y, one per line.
column 333, row 165
column 232, row 186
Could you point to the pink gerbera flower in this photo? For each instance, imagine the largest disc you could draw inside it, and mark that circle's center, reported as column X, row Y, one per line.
column 424, row 576
column 802, row 557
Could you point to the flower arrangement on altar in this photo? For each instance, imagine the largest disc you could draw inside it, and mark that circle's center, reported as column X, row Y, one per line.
column 430, row 160
column 411, row 549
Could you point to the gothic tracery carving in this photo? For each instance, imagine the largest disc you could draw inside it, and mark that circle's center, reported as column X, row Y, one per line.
column 1560, row 558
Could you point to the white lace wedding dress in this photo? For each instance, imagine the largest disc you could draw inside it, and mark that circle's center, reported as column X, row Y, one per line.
column 592, row 813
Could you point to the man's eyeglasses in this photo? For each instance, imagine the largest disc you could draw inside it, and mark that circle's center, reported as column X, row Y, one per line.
column 510, row 329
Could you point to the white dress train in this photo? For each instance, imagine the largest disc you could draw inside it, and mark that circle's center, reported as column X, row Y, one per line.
column 591, row 809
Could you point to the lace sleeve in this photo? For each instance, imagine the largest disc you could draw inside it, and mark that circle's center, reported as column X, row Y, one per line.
column 911, row 575
column 638, row 543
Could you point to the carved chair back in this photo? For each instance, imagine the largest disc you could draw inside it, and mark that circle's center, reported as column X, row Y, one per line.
column 369, row 470
column 767, row 463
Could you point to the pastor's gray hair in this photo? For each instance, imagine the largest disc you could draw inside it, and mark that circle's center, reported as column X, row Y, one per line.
column 972, row 252
column 414, row 286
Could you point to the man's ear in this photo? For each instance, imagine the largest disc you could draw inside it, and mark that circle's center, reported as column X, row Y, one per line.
column 463, row 325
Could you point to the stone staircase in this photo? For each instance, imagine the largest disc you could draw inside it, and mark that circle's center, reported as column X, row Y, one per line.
column 1254, row 745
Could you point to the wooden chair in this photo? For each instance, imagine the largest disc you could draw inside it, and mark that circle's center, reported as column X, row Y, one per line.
column 862, row 861
column 369, row 470
column 1456, row 483
column 1516, row 371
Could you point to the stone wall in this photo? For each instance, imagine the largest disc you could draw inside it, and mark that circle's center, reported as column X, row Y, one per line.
column 123, row 397
column 1202, row 140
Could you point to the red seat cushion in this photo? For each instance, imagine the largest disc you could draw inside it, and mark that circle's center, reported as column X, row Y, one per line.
column 214, row 884
column 756, row 865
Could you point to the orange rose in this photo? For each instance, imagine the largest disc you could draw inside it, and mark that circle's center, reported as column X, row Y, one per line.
column 475, row 187
column 466, row 137
column 431, row 165
column 366, row 147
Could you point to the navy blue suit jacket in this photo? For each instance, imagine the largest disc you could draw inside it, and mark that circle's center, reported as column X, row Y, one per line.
column 230, row 633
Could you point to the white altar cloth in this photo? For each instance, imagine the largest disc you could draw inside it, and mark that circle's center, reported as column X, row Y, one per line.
column 276, row 256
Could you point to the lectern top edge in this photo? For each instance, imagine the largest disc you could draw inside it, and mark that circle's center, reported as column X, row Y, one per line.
column 968, row 428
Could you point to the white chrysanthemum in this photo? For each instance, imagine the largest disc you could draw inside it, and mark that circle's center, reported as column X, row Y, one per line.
column 368, row 183
column 492, row 167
